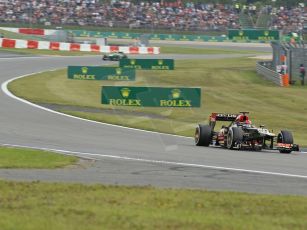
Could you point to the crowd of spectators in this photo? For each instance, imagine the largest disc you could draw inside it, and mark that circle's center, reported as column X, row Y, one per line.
column 289, row 19
column 168, row 15
column 151, row 15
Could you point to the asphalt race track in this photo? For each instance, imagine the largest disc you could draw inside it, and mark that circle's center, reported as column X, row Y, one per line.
column 133, row 157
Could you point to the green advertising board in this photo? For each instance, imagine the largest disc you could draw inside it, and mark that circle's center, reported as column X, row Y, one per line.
column 258, row 35
column 147, row 64
column 150, row 96
column 100, row 73
column 291, row 36
column 112, row 35
column 167, row 37
column 175, row 37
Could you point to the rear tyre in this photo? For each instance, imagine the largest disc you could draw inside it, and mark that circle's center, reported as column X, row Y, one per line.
column 234, row 136
column 285, row 137
column 203, row 135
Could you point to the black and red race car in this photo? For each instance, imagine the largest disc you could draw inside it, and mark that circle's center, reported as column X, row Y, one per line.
column 241, row 134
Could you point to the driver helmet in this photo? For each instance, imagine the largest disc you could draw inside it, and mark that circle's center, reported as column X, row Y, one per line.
column 242, row 118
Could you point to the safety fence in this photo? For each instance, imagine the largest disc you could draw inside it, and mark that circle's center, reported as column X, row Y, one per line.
column 245, row 35
column 290, row 56
column 63, row 46
column 264, row 68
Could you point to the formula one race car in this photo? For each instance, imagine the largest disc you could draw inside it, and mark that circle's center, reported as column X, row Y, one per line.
column 114, row 56
column 241, row 134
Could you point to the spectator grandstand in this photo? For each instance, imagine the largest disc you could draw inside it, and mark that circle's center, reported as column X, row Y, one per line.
column 289, row 19
column 178, row 15
column 120, row 14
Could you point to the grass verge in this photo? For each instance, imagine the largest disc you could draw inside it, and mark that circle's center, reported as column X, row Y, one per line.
column 164, row 50
column 229, row 85
column 27, row 158
column 47, row 52
column 199, row 50
column 49, row 206
column 12, row 35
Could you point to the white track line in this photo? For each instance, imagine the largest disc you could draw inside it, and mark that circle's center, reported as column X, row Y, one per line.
column 34, row 57
column 92, row 155
column 16, row 57
column 8, row 93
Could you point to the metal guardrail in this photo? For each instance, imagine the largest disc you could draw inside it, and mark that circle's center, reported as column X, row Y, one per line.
column 263, row 68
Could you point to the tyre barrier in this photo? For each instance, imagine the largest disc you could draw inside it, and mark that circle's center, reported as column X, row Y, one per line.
column 63, row 46
column 30, row 31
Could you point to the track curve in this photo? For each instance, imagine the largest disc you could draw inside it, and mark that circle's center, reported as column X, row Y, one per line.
column 133, row 157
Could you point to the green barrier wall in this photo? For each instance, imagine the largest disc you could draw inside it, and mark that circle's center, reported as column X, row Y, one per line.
column 147, row 64
column 100, row 73
column 253, row 35
column 245, row 35
column 150, row 96
column 167, row 37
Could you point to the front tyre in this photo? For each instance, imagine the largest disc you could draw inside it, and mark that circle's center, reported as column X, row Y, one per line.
column 203, row 135
column 234, row 137
column 285, row 137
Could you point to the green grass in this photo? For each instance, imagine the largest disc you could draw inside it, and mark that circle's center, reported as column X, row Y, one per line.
column 12, row 35
column 27, row 158
column 47, row 52
column 191, row 50
column 229, row 85
column 57, row 206
column 177, row 49
column 163, row 50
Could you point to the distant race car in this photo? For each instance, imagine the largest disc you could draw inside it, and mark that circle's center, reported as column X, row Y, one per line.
column 241, row 134
column 114, row 56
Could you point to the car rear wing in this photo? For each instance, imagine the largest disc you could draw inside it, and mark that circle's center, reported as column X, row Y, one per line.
column 223, row 117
